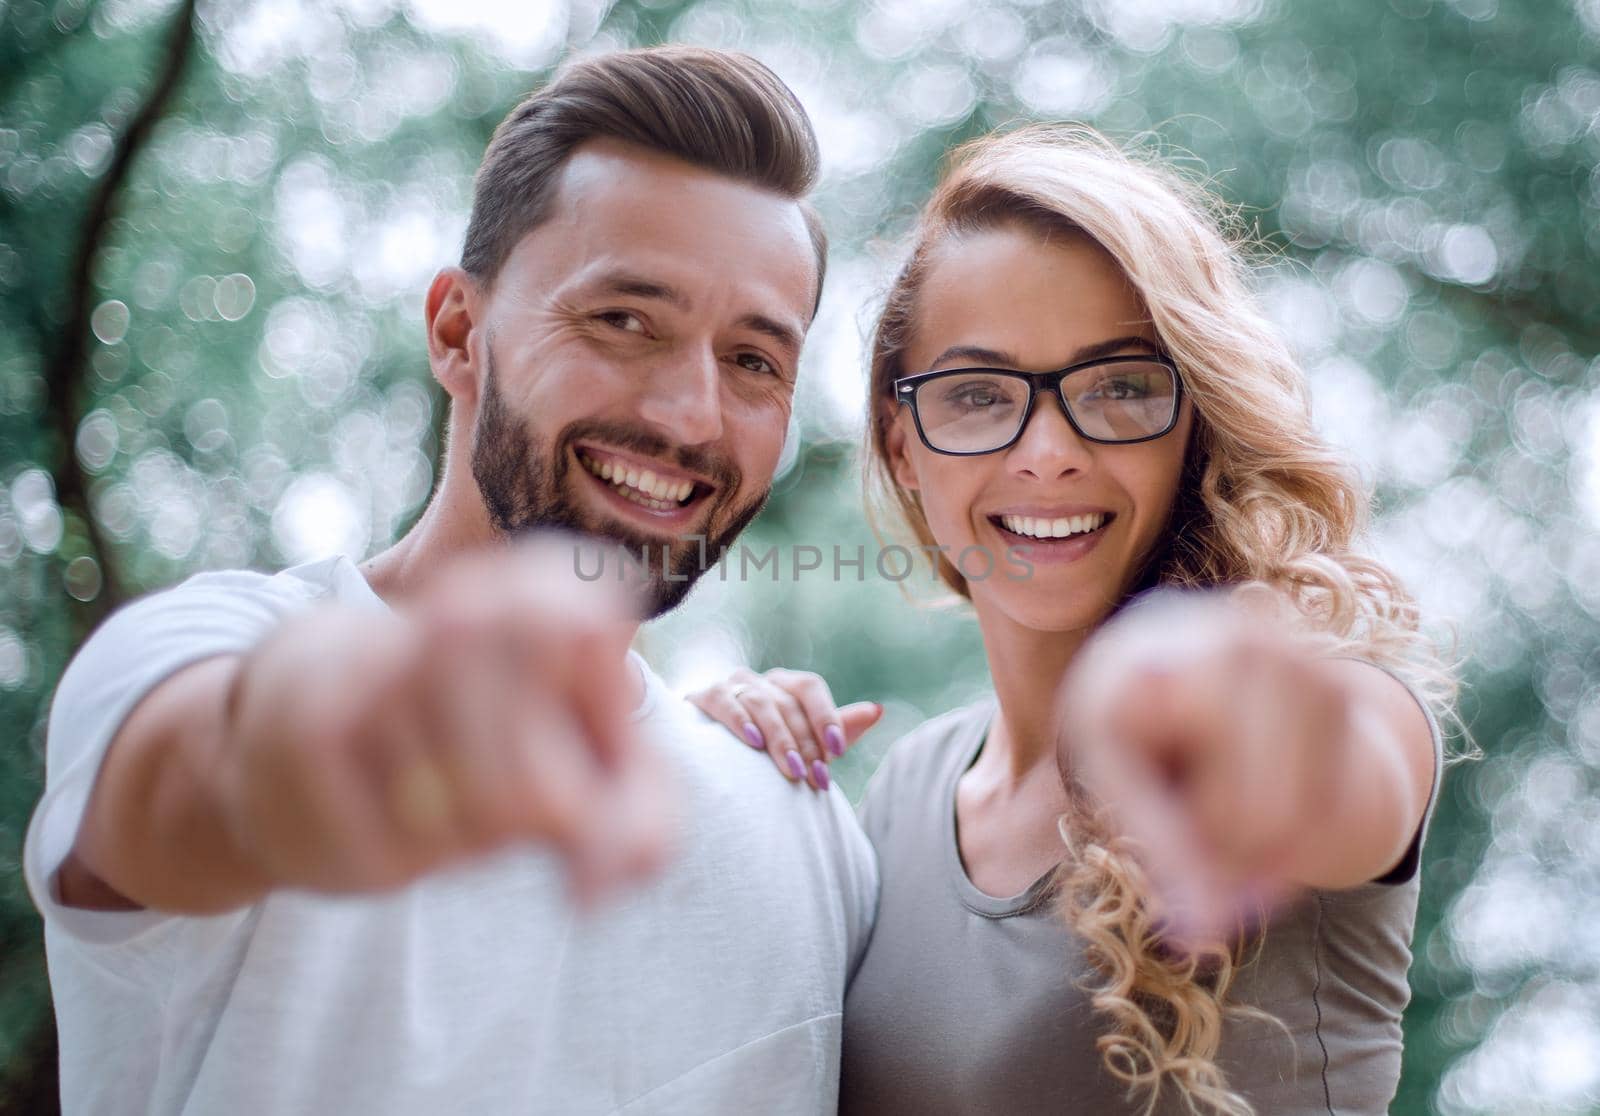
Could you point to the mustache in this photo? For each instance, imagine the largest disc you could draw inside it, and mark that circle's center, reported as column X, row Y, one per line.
column 647, row 443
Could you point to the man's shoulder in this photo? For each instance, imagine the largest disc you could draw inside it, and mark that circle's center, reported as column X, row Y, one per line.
column 335, row 577
column 216, row 612
column 745, row 781
column 707, row 746
column 245, row 597
column 753, row 829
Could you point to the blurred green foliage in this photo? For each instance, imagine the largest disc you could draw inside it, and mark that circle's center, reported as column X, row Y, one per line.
column 1422, row 175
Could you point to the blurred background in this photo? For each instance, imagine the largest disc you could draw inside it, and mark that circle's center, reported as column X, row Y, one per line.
column 217, row 225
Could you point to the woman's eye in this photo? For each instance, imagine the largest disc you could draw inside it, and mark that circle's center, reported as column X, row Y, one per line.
column 977, row 397
column 1119, row 389
column 756, row 363
column 621, row 319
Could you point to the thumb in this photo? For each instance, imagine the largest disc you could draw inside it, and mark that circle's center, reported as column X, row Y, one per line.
column 857, row 717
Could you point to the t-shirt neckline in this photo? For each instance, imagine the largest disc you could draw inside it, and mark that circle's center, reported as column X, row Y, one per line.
column 972, row 897
column 359, row 591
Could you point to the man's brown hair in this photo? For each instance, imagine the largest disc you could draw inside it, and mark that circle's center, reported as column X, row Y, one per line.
column 718, row 110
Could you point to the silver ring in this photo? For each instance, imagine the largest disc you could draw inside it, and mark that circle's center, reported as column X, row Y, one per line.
column 737, row 690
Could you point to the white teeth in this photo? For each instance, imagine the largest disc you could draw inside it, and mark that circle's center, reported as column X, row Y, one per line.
column 641, row 486
column 644, row 501
column 1039, row 528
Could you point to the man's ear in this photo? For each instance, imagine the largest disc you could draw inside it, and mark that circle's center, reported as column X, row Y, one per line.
column 896, row 421
column 454, row 305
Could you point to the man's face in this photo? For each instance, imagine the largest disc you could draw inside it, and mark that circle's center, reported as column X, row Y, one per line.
column 640, row 349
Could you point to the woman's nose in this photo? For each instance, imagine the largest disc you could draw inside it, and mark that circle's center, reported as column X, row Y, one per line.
column 1049, row 447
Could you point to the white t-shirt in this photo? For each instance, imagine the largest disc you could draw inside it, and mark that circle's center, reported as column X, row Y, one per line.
column 715, row 988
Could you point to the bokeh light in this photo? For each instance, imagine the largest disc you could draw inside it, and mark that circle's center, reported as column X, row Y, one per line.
column 1422, row 177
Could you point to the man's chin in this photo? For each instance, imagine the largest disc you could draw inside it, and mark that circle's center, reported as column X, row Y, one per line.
column 664, row 567
column 613, row 535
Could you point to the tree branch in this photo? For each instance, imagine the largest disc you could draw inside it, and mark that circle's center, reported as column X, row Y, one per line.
column 64, row 374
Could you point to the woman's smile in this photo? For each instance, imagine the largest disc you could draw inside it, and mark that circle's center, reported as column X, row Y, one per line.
column 1051, row 536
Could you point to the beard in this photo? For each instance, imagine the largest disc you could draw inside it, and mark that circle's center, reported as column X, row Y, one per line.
column 525, row 486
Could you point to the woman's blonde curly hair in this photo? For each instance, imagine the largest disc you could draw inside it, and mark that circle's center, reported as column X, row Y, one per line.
column 1264, row 502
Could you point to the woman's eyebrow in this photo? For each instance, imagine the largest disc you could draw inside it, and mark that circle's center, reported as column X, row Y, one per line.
column 1116, row 344
column 975, row 354
column 980, row 355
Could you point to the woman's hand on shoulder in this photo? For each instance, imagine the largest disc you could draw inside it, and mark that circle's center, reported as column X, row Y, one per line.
column 1247, row 762
column 790, row 715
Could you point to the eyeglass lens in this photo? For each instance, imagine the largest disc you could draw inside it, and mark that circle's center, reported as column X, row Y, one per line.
column 981, row 409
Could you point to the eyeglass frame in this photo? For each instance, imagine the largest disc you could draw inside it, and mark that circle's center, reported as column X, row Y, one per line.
column 905, row 390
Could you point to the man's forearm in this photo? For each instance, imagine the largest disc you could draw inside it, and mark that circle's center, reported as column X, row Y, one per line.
column 154, row 834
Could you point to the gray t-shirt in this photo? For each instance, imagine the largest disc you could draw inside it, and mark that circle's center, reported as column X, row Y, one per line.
column 968, row 1003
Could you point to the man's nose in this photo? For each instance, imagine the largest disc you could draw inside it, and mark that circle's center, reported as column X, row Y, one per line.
column 683, row 397
column 1049, row 447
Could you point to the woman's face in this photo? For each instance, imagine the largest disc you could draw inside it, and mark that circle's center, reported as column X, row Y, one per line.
column 1008, row 298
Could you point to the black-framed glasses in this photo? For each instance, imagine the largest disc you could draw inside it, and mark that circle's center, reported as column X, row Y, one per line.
column 1114, row 400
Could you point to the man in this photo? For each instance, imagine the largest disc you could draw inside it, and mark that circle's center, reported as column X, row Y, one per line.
column 304, row 838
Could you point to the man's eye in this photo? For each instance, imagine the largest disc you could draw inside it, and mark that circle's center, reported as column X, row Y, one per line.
column 757, row 363
column 621, row 319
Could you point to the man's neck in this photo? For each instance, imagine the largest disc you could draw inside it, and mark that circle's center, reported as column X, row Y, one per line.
column 398, row 573
column 443, row 532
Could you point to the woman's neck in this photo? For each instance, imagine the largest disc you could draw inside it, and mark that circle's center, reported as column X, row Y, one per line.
column 1027, row 667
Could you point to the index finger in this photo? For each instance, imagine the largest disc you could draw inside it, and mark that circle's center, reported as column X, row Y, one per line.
column 573, row 636
column 602, row 698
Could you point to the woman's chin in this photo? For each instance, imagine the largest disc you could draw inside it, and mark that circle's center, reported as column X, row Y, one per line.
column 1024, row 608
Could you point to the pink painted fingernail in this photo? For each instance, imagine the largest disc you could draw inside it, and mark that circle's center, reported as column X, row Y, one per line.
column 819, row 774
column 753, row 736
column 796, row 768
column 833, row 735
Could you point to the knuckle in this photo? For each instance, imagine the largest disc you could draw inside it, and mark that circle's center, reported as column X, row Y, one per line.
column 793, row 711
column 483, row 818
column 813, row 685
column 554, row 816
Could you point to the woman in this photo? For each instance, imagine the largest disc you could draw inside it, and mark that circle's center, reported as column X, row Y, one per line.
column 1071, row 363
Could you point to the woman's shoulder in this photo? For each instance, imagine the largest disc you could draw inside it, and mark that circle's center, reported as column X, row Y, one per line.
column 905, row 788
column 958, row 723
column 931, row 747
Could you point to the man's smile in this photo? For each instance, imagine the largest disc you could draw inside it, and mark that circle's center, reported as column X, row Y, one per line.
column 665, row 498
